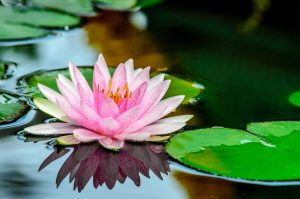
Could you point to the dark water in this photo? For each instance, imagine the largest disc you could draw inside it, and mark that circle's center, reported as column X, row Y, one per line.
column 248, row 78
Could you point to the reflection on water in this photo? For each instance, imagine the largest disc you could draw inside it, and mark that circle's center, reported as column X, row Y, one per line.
column 210, row 187
column 21, row 161
column 106, row 167
column 118, row 40
column 51, row 53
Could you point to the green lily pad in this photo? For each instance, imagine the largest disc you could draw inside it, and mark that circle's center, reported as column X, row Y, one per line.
column 294, row 98
column 267, row 151
column 191, row 90
column 178, row 86
column 39, row 18
column 11, row 107
column 2, row 70
column 125, row 5
column 29, row 87
column 19, row 31
column 118, row 3
column 77, row 7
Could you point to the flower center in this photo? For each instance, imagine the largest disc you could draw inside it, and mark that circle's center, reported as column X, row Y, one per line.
column 118, row 95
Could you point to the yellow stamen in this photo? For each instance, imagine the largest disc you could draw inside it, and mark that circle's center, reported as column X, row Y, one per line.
column 119, row 95
column 126, row 89
column 116, row 96
column 109, row 88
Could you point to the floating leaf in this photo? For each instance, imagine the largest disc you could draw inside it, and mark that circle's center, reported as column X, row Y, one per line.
column 40, row 18
column 117, row 4
column 77, row 7
column 2, row 70
column 11, row 107
column 125, row 5
column 294, row 98
column 179, row 86
column 18, row 31
column 29, row 87
column 267, row 151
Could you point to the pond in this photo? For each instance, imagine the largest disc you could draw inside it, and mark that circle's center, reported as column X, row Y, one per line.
column 242, row 77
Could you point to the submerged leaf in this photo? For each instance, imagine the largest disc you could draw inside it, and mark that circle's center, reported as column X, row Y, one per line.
column 267, row 151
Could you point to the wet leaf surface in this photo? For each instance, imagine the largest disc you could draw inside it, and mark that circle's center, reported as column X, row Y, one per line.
column 77, row 7
column 19, row 24
column 267, row 151
column 18, row 31
column 38, row 18
column 125, row 5
column 11, row 107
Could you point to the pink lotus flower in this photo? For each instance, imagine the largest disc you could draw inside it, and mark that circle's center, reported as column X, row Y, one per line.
column 126, row 106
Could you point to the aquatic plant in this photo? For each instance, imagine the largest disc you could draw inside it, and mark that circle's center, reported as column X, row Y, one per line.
column 126, row 106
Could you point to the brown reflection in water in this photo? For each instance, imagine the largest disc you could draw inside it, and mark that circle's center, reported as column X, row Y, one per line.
column 199, row 187
column 91, row 161
column 112, row 34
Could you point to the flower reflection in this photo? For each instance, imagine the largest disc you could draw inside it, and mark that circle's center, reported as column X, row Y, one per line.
column 92, row 161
